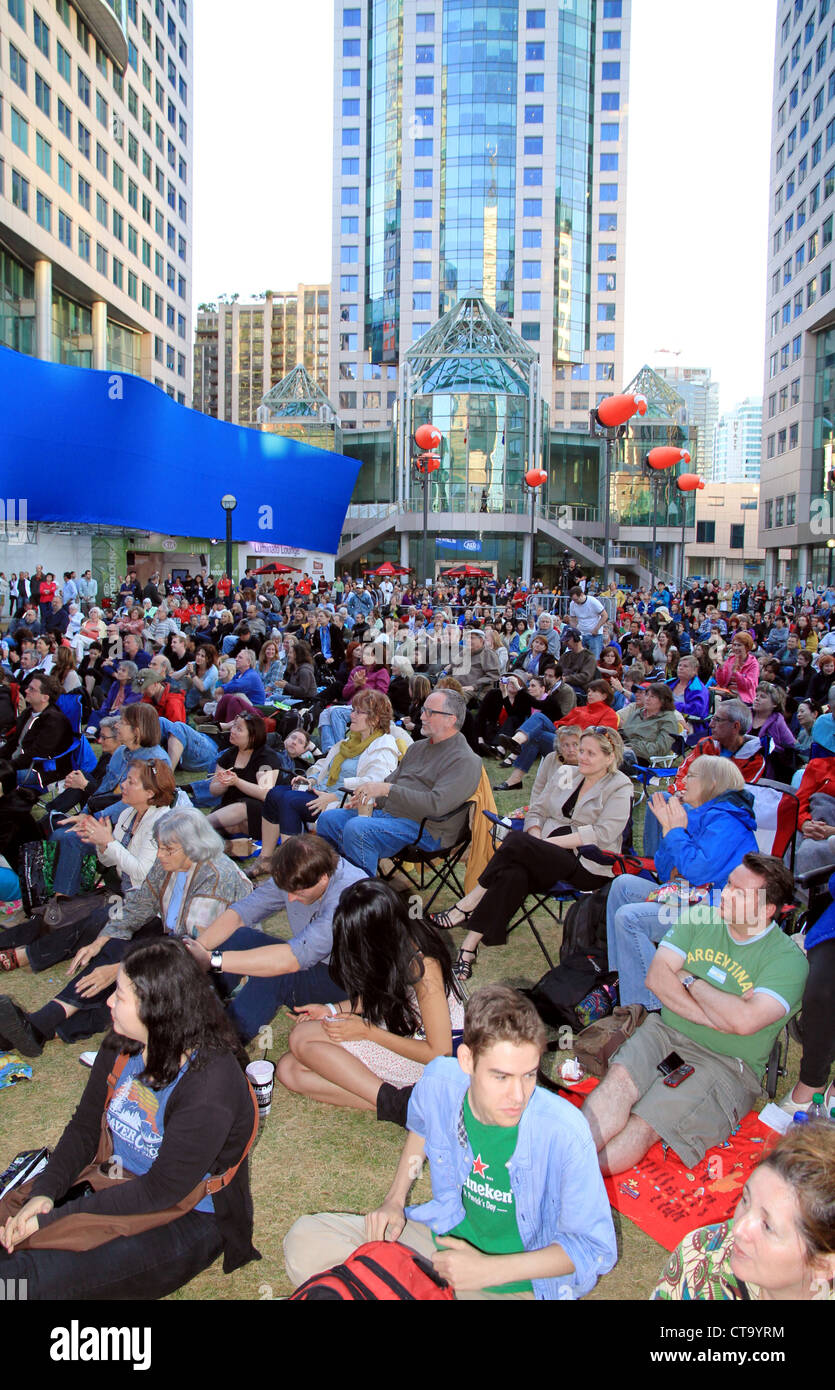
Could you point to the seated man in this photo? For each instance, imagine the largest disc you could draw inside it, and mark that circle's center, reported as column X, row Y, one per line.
column 730, row 737
column 477, row 667
column 308, row 879
column 42, row 731
column 728, row 981
column 156, row 691
column 518, row 1206
column 579, row 665
column 187, row 748
column 434, row 777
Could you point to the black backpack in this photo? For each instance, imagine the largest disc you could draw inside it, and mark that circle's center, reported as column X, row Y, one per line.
column 556, row 996
column 584, row 928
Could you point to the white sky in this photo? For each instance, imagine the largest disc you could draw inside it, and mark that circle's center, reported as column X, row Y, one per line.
column 698, row 165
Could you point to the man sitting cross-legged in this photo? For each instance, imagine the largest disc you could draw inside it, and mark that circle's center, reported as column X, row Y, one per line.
column 308, row 879
column 518, row 1206
column 728, row 981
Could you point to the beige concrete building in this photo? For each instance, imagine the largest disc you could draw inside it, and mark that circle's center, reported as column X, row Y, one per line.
column 243, row 350
column 96, row 164
column 726, row 533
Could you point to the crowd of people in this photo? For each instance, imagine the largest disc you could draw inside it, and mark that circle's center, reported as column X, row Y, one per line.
column 195, row 756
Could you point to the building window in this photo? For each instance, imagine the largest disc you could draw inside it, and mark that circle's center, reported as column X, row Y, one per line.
column 531, row 236
column 781, row 441
column 605, row 313
column 611, row 38
column 20, row 131
column 534, row 81
column 534, row 116
column 608, row 192
column 531, row 270
column 530, row 332
column 705, row 532
column 531, row 299
column 793, row 435
column 531, row 207
column 535, row 19
column 796, row 347
column 608, row 163
column 18, row 68
column 610, row 72
column 43, row 153
column 535, row 52
column 605, row 342
column 423, row 208
column 791, row 509
column 610, row 130
column 350, row 135
column 425, row 53
column 350, row 77
column 351, row 18
column 769, row 508
column 44, row 212
column 737, row 535
column 778, row 507
column 424, row 149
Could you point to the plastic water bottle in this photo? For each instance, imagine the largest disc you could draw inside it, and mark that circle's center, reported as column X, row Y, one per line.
column 816, row 1110
column 800, row 1117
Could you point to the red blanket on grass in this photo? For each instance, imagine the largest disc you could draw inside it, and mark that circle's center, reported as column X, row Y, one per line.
column 667, row 1199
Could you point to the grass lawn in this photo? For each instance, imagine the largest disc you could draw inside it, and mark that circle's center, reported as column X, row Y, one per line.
column 310, row 1157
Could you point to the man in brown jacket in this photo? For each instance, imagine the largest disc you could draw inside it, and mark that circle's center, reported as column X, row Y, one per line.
column 579, row 665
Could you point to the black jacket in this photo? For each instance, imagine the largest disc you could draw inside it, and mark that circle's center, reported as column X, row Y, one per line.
column 208, row 1121
column 48, row 736
column 337, row 643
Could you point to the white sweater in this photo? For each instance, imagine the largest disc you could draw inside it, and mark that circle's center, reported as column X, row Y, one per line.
column 377, row 762
column 136, row 856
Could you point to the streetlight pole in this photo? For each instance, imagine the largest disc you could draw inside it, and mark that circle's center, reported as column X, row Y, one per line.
column 611, row 418
column 830, row 546
column 229, row 503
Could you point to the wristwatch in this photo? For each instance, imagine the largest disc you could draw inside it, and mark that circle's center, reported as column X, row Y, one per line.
column 216, row 960
column 687, row 981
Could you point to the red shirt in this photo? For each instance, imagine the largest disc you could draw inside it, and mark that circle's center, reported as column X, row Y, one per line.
column 589, row 716
column 47, row 591
column 303, row 586
column 223, row 587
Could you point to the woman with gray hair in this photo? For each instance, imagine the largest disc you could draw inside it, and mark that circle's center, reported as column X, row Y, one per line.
column 191, row 883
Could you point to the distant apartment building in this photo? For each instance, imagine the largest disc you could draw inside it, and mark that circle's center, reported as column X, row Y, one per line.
column 701, row 398
column 242, row 350
column 96, row 168
column 737, row 444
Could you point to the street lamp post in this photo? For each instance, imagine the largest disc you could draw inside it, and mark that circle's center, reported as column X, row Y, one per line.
column 686, row 482
column 534, row 479
column 830, row 546
column 611, row 418
column 428, row 439
column 665, row 456
column 229, row 503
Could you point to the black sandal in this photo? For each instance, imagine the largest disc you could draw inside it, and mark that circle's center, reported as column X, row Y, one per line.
column 463, row 969
column 444, row 921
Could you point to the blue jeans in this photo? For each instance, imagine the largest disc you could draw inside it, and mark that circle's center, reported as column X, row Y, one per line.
column 365, row 840
column 287, row 808
column 334, row 724
column 262, row 996
column 594, row 644
column 146, row 1266
column 633, row 928
column 541, row 740
column 73, row 850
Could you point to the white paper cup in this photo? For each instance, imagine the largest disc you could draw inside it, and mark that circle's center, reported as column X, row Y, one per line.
column 262, row 1078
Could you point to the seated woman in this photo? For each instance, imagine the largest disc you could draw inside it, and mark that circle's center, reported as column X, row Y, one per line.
column 691, row 697
column 119, row 696
column 648, row 730
column 201, row 677
column 271, row 669
column 609, row 663
column 368, row 754
column 807, row 713
column 140, row 737
column 401, row 1006
column 700, row 842
column 93, row 629
column 570, row 807
column 529, row 660
column 780, row 1243
column 419, row 688
column 236, row 779
column 739, row 675
column 148, row 792
column 65, row 673
column 190, row 884
column 512, row 700
column 537, row 733
column 817, row 1017
column 299, row 680
column 181, row 1111
column 776, row 738
column 368, row 674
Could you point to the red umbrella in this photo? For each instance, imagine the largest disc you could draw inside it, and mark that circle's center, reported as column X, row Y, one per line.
column 467, row 572
column 387, row 569
column 274, row 568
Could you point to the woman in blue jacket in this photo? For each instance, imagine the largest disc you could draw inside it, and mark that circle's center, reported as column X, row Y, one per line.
column 691, row 697
column 702, row 840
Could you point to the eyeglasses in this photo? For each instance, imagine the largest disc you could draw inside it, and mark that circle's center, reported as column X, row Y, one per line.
column 447, row 712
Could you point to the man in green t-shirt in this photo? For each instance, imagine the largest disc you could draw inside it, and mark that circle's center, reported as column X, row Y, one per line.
column 728, row 981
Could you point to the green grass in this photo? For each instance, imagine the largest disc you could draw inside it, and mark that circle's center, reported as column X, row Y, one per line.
column 310, row 1157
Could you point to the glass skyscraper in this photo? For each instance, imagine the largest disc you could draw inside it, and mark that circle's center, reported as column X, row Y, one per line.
column 480, row 149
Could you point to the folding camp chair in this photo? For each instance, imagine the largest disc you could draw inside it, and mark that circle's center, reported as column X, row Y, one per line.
column 435, row 864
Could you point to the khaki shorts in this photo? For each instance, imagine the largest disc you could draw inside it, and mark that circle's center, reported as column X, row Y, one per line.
column 703, row 1110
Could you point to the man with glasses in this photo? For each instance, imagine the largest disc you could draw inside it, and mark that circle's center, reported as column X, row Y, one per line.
column 730, row 737
column 435, row 776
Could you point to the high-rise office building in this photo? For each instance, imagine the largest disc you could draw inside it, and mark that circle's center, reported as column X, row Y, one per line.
column 479, row 149
column 701, row 399
column 96, row 185
column 737, row 444
column 799, row 394
column 242, row 350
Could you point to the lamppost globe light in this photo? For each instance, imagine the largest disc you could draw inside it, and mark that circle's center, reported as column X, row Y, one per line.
column 830, row 544
column 228, row 502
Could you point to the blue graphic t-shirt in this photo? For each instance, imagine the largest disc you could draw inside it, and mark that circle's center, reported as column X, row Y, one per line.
column 136, row 1120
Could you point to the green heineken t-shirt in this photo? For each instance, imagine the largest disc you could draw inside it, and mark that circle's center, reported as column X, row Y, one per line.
column 489, row 1209
column 770, row 963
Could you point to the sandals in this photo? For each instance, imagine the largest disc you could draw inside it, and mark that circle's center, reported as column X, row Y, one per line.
column 463, row 967
column 445, row 922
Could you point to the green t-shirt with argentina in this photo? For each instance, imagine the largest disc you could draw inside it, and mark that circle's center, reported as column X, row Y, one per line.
column 489, row 1209
column 770, row 963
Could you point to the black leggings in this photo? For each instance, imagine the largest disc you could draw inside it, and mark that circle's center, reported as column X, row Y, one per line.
column 818, row 1017
column 524, row 864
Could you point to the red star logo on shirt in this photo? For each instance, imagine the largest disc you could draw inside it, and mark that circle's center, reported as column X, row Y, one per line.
column 479, row 1168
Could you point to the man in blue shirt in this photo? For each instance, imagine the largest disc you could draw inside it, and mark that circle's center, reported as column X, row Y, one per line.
column 247, row 681
column 308, row 879
column 518, row 1205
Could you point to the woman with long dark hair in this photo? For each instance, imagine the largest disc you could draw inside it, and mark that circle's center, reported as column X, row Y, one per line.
column 169, row 1106
column 400, row 1009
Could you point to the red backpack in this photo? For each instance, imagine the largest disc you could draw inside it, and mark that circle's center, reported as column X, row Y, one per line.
column 378, row 1272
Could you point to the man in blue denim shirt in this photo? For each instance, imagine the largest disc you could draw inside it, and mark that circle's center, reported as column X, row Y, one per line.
column 543, row 1224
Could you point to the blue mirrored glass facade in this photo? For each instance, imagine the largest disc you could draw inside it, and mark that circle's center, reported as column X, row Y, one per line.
column 575, row 175
column 478, row 168
column 382, row 299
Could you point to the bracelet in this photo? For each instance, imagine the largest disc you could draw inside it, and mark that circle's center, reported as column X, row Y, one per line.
column 333, row 1009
